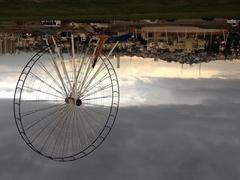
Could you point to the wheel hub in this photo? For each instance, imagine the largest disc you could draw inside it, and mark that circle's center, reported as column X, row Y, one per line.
column 71, row 100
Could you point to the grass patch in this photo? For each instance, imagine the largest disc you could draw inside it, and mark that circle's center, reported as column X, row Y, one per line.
column 121, row 9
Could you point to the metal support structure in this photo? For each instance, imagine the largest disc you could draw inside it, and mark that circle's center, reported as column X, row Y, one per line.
column 55, row 125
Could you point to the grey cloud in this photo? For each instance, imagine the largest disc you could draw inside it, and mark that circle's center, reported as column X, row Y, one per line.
column 16, row 61
column 147, row 142
column 187, row 91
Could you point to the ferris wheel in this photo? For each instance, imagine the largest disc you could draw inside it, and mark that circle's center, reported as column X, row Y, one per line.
column 66, row 103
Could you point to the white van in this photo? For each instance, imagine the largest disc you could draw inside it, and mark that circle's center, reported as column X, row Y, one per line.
column 51, row 23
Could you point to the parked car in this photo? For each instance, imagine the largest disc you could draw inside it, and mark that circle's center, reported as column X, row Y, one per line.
column 233, row 22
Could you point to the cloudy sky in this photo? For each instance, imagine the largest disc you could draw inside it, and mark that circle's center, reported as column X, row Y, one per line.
column 173, row 124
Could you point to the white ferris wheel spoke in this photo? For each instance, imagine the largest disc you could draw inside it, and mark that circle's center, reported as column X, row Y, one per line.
column 44, row 82
column 41, row 65
column 54, row 63
column 62, row 62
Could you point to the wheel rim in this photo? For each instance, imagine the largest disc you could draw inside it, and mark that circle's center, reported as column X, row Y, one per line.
column 65, row 113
